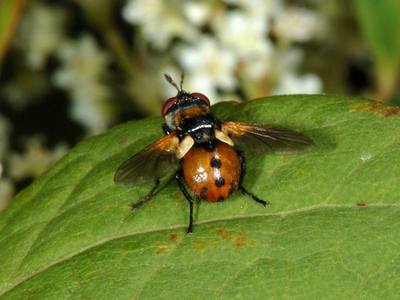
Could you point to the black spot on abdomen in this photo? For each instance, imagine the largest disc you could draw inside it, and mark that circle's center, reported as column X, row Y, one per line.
column 215, row 163
column 219, row 181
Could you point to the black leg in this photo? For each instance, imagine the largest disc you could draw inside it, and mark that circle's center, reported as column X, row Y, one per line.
column 148, row 197
column 241, row 187
column 189, row 198
column 255, row 198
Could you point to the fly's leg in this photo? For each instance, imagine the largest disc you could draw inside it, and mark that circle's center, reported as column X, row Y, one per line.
column 146, row 198
column 189, row 198
column 243, row 190
column 254, row 197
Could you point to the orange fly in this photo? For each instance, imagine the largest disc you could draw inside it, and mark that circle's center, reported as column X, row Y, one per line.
column 203, row 153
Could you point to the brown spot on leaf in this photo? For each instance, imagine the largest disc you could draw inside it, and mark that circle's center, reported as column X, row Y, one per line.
column 300, row 173
column 162, row 249
column 173, row 237
column 361, row 204
column 380, row 109
column 202, row 244
column 223, row 233
column 241, row 241
column 199, row 245
column 391, row 111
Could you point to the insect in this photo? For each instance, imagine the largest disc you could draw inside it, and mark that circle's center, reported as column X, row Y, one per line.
column 203, row 153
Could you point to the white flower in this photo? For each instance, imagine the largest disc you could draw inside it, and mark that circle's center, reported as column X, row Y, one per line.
column 84, row 61
column 41, row 32
column 305, row 84
column 259, row 9
column 160, row 21
column 242, row 34
column 246, row 37
column 35, row 160
column 288, row 60
column 24, row 89
column 197, row 12
column 84, row 68
column 207, row 67
column 297, row 24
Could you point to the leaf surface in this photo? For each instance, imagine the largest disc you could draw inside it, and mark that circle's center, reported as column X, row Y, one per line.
column 331, row 231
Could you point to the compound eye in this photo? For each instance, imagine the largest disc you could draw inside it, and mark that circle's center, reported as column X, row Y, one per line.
column 167, row 105
column 201, row 97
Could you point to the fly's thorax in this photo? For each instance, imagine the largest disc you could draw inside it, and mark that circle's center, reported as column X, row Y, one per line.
column 200, row 128
column 186, row 107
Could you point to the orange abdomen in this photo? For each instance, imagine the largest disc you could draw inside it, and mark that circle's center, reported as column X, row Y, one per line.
column 212, row 175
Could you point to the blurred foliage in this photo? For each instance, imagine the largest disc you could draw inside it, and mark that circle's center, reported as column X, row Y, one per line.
column 380, row 26
column 76, row 67
column 9, row 13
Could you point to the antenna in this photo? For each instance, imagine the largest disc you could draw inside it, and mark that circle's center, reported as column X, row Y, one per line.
column 172, row 82
column 182, row 77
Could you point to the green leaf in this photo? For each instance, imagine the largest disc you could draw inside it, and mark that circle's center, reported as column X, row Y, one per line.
column 10, row 11
column 331, row 231
column 380, row 25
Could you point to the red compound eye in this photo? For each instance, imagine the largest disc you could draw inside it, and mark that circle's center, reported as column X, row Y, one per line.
column 201, row 97
column 167, row 105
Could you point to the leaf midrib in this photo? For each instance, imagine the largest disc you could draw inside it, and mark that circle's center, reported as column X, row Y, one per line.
column 282, row 214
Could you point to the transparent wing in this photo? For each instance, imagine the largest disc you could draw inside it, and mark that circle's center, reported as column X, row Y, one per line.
column 260, row 138
column 152, row 163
